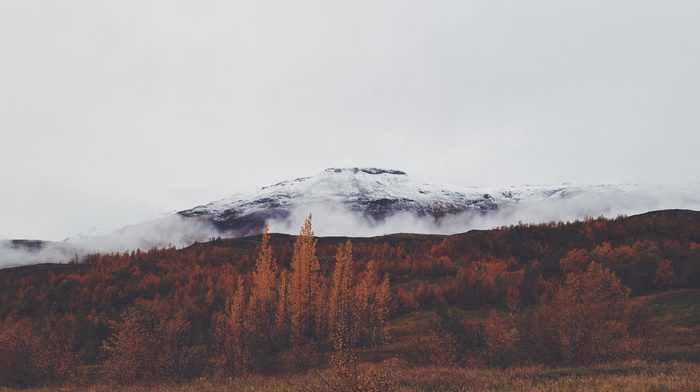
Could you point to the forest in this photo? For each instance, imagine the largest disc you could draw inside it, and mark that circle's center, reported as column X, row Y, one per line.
column 354, row 312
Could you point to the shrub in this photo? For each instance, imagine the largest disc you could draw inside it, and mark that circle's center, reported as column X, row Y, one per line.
column 581, row 323
column 347, row 377
column 453, row 342
column 500, row 342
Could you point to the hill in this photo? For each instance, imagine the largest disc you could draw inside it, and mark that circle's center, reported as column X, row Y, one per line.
column 84, row 303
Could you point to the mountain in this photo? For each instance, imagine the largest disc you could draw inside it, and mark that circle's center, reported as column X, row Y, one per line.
column 373, row 194
column 370, row 201
column 364, row 202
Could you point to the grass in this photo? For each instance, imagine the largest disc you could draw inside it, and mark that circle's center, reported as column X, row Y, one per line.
column 676, row 318
column 620, row 377
column 629, row 376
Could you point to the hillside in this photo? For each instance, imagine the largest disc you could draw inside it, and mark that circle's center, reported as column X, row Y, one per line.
column 472, row 272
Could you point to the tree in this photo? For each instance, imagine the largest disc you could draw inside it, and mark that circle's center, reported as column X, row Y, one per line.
column 231, row 346
column 262, row 324
column 372, row 308
column 152, row 343
column 17, row 362
column 282, row 315
column 341, row 301
column 133, row 348
column 238, row 333
column 304, row 289
column 576, row 261
column 382, row 311
column 31, row 355
column 178, row 359
column 263, row 292
column 664, row 277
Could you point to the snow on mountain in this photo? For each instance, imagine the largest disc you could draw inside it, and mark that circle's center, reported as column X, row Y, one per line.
column 374, row 194
column 371, row 201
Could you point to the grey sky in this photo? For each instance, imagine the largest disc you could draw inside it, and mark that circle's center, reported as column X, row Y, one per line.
column 112, row 109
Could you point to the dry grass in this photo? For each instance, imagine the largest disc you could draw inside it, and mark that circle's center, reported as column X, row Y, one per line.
column 629, row 376
column 626, row 377
column 677, row 323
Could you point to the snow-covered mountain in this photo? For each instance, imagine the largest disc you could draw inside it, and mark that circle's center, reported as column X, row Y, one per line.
column 369, row 202
column 372, row 194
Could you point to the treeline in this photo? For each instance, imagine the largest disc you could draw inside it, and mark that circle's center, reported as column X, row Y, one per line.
column 263, row 304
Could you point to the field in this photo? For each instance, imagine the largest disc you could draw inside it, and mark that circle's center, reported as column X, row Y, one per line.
column 677, row 324
column 631, row 376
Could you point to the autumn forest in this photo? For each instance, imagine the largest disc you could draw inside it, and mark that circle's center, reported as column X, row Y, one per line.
column 354, row 312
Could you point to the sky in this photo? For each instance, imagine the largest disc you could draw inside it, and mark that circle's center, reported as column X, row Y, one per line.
column 111, row 110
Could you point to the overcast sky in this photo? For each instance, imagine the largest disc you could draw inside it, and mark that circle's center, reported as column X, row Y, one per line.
column 115, row 109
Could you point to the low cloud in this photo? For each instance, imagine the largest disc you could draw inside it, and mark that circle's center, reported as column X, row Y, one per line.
column 569, row 205
column 14, row 253
column 173, row 230
column 334, row 221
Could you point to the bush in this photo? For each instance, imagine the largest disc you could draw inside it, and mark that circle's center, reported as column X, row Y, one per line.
column 501, row 341
column 581, row 323
column 453, row 342
column 347, row 377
